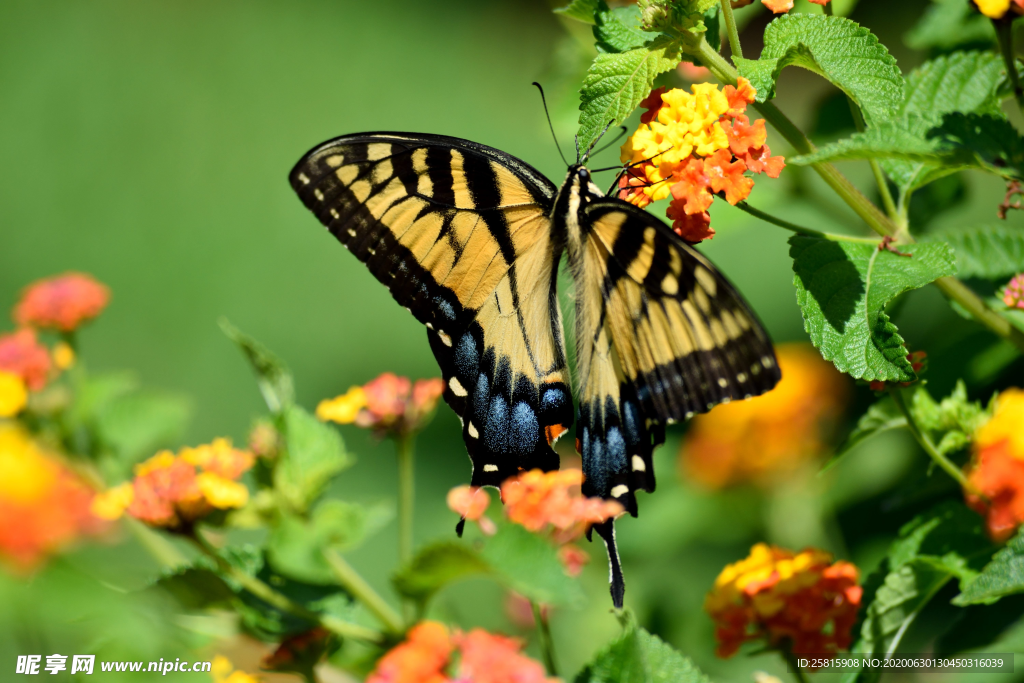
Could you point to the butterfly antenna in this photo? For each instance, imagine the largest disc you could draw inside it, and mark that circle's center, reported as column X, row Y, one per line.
column 586, row 155
column 544, row 101
column 610, row 144
column 577, row 148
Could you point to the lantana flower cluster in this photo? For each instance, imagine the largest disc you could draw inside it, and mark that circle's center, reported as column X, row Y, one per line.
column 690, row 145
column 549, row 503
column 803, row 602
column 1013, row 294
column 776, row 6
column 996, row 470
column 60, row 304
column 173, row 491
column 763, row 439
column 45, row 505
column 430, row 650
column 997, row 9
column 388, row 404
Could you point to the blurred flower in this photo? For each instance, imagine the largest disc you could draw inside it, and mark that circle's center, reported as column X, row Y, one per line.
column 13, row 394
column 691, row 145
column 573, row 558
column 692, row 72
column 63, row 356
column 778, row 6
column 421, row 658
column 470, row 502
column 763, row 438
column 997, row 9
column 763, row 677
column 997, row 467
column 223, row 671
column 389, row 404
column 1013, row 295
column 800, row 601
column 519, row 610
column 61, row 303
column 264, row 440
column 173, row 491
column 488, row 658
column 23, row 355
column 44, row 505
column 541, row 500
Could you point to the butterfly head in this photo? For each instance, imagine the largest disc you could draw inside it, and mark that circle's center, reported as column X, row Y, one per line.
column 577, row 192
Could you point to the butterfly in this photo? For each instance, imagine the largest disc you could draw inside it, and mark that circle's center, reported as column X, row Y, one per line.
column 469, row 240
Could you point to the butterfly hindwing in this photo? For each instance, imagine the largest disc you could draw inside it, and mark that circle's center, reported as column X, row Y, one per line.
column 459, row 234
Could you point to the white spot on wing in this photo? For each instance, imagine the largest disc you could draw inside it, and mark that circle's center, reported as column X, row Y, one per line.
column 457, row 387
column 723, row 382
column 617, row 491
column 638, row 464
column 304, row 179
column 444, row 338
column 318, row 194
column 471, row 430
column 490, row 468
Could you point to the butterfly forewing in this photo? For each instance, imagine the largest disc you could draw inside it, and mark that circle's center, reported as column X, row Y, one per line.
column 459, row 234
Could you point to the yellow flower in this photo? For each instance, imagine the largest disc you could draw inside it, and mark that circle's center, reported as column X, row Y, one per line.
column 112, row 503
column 160, row 461
column 220, row 492
column 13, row 394
column 342, row 409
column 1007, row 423
column 994, row 9
column 63, row 356
column 222, row 672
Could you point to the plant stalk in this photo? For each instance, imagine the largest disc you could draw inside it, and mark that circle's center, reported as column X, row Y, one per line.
column 730, row 29
column 800, row 230
column 405, row 448
column 161, row 549
column 942, row 461
column 547, row 645
column 355, row 584
column 283, row 602
column 1004, row 35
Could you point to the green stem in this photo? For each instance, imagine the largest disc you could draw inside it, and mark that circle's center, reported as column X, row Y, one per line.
column 405, row 447
column 730, row 29
column 942, row 461
column 1004, row 34
column 791, row 660
column 862, row 206
column 282, row 602
column 161, row 549
column 546, row 643
column 357, row 586
column 768, row 218
column 827, row 9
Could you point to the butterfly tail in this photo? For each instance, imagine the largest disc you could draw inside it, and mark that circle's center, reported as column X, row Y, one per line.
column 606, row 531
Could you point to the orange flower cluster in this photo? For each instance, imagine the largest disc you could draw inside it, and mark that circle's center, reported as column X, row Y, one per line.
column 21, row 354
column 692, row 145
column 762, row 439
column 552, row 501
column 173, row 491
column 471, row 502
column 388, row 404
column 426, row 656
column 997, row 9
column 44, row 505
column 800, row 601
column 997, row 467
column 61, row 303
column 778, row 6
column 1013, row 295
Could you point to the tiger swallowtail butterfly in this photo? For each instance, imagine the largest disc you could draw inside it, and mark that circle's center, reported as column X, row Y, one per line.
column 469, row 238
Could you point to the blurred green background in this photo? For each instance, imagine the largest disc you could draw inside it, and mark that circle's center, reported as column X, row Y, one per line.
column 148, row 143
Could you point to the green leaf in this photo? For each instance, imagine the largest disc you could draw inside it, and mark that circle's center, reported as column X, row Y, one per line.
column 619, row 30
column 314, row 453
column 991, row 140
column 953, row 414
column 1003, row 576
column 985, row 251
column 616, row 83
column 436, row 566
column 196, row 587
column 639, row 657
column 135, row 425
column 947, row 24
column 945, row 543
column 962, row 81
column 840, row 50
column 296, row 546
column 581, row 10
column 842, row 290
column 900, row 138
column 272, row 375
column 881, row 416
column 529, row 565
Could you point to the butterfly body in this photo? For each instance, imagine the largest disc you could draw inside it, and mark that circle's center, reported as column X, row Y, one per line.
column 469, row 239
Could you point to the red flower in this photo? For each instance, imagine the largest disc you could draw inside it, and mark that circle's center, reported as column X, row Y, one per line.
column 388, row 404
column 691, row 188
column 573, row 558
column 421, row 658
column 22, row 355
column 61, row 303
column 693, row 229
column 652, row 103
column 727, row 176
column 743, row 136
column 540, row 500
column 488, row 658
column 760, row 160
column 997, row 468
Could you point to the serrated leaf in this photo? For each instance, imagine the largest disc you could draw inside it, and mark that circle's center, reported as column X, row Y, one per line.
column 529, row 565
column 842, row 290
column 619, row 30
column 1003, row 576
column 272, row 375
column 992, row 140
column 314, row 453
column 581, row 10
column 133, row 426
column 949, row 535
column 948, row 24
column 296, row 546
column 840, row 50
column 985, row 251
column 900, row 138
column 881, row 416
column 616, row 83
column 436, row 566
column 639, row 657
